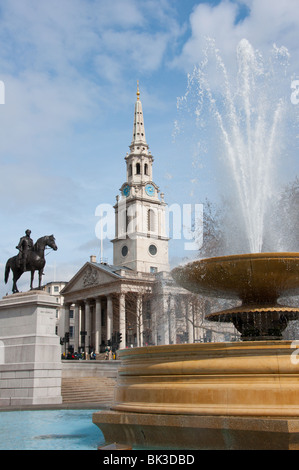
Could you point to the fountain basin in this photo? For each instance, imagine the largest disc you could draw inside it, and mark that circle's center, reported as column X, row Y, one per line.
column 258, row 280
column 252, row 278
column 252, row 378
column 240, row 394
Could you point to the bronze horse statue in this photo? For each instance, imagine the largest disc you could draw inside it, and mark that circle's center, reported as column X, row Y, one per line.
column 35, row 262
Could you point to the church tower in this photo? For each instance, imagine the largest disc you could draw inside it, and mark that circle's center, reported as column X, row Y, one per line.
column 141, row 242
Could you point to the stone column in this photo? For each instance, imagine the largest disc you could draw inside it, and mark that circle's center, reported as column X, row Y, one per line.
column 190, row 320
column 81, row 324
column 122, row 320
column 172, row 319
column 87, row 325
column 160, row 321
column 67, row 308
column 163, row 327
column 76, row 327
column 109, row 317
column 98, row 325
column 139, row 320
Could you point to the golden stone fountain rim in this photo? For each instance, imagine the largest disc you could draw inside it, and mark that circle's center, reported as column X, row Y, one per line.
column 272, row 274
column 251, row 378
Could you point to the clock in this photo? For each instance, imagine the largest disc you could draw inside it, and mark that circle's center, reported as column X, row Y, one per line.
column 126, row 190
column 149, row 189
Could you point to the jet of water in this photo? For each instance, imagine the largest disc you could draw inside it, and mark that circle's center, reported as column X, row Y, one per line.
column 248, row 114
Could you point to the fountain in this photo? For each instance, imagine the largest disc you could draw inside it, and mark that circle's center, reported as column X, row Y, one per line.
column 258, row 280
column 233, row 395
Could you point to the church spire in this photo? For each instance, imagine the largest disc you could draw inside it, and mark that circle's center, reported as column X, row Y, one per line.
column 139, row 140
column 140, row 160
column 138, row 93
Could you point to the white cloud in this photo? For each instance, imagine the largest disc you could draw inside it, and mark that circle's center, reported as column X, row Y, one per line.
column 121, row 13
column 266, row 23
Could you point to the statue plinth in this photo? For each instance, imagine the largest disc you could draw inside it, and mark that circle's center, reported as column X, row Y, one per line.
column 30, row 362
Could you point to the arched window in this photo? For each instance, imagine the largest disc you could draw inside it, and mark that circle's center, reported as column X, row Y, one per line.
column 145, row 169
column 137, row 168
column 126, row 221
column 130, row 170
column 150, row 220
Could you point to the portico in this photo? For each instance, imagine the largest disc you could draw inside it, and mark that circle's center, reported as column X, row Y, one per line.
column 106, row 300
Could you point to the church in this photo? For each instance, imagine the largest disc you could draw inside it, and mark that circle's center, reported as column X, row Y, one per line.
column 134, row 301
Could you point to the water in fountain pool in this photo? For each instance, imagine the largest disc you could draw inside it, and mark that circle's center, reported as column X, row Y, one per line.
column 49, row 430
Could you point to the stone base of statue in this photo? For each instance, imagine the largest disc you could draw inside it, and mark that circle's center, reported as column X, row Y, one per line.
column 30, row 362
column 241, row 395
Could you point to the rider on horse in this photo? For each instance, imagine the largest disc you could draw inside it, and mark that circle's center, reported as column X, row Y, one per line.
column 25, row 245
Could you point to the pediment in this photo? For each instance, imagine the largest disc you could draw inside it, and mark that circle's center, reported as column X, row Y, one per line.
column 90, row 275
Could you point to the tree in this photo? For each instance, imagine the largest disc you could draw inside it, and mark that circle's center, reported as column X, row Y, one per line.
column 213, row 234
column 284, row 224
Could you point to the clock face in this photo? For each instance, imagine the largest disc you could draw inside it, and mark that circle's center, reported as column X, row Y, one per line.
column 126, row 190
column 149, row 189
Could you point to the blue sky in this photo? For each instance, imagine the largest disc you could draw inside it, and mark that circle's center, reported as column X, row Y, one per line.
column 70, row 69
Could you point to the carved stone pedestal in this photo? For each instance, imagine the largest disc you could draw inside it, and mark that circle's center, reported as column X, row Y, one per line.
column 30, row 363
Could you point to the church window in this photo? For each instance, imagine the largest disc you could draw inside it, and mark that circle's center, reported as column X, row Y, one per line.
column 124, row 250
column 127, row 221
column 150, row 220
column 153, row 250
column 153, row 269
column 130, row 170
column 145, row 168
column 137, row 168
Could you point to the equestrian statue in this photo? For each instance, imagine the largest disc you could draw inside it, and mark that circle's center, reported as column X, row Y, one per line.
column 31, row 257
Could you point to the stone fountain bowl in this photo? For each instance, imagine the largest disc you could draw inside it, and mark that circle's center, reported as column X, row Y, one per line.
column 258, row 280
column 209, row 395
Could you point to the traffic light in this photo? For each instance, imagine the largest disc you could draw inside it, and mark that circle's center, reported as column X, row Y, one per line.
column 67, row 337
column 119, row 337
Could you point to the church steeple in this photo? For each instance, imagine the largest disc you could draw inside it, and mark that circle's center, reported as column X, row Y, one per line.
column 140, row 242
column 138, row 140
column 139, row 160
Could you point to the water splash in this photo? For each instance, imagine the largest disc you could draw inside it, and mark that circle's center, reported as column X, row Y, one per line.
column 248, row 113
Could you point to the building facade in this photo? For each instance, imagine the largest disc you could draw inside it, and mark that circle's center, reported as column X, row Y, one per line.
column 54, row 288
column 135, row 302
